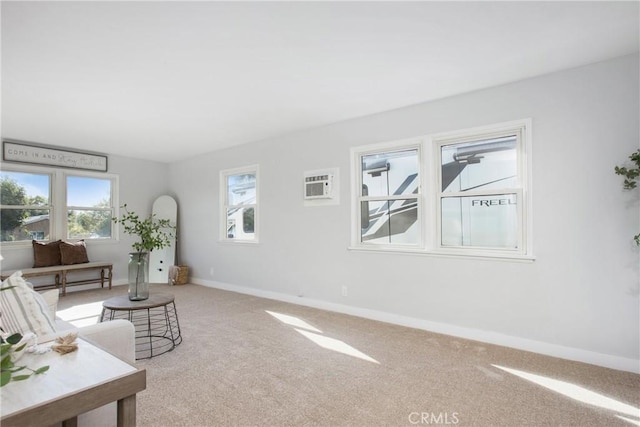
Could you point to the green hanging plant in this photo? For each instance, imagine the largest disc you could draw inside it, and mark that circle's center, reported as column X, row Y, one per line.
column 631, row 174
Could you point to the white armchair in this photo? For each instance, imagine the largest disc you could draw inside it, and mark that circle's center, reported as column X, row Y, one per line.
column 115, row 336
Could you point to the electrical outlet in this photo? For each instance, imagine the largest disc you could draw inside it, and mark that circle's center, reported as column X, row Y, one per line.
column 345, row 291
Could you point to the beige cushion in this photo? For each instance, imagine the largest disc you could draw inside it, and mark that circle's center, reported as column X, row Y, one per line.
column 23, row 309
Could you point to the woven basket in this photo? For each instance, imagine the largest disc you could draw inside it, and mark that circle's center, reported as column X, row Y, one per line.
column 178, row 274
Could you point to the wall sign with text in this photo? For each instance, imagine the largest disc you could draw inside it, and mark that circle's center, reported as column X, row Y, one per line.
column 50, row 156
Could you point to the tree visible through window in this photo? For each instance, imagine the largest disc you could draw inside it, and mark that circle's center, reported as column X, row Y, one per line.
column 25, row 206
column 34, row 207
column 89, row 207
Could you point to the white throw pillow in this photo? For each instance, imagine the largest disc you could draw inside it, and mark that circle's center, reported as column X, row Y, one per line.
column 23, row 310
column 51, row 299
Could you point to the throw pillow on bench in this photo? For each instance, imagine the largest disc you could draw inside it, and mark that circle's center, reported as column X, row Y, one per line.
column 59, row 253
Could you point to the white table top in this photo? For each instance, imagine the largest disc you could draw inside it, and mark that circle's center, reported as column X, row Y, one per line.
column 68, row 374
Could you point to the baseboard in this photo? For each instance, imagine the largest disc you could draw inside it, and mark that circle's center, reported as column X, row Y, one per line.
column 554, row 350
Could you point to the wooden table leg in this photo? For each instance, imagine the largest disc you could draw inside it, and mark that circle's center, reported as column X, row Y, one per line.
column 127, row 411
column 64, row 283
column 71, row 422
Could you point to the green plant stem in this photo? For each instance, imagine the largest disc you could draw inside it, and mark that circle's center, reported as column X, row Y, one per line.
column 631, row 175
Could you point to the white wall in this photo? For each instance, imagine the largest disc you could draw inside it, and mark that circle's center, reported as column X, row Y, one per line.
column 578, row 299
column 141, row 182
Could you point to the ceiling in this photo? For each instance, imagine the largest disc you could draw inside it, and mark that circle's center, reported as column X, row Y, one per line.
column 167, row 81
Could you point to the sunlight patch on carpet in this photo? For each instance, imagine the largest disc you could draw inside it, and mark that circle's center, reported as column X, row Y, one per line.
column 293, row 321
column 629, row 420
column 336, row 345
column 312, row 333
column 576, row 392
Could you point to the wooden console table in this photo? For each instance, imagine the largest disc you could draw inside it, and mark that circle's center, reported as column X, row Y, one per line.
column 74, row 384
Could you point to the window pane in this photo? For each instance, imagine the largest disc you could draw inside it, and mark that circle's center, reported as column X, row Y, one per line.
column 241, row 189
column 24, row 224
column 240, row 223
column 388, row 174
column 480, row 165
column 88, row 192
column 89, row 224
column 393, row 221
column 24, row 189
column 482, row 221
column 247, row 220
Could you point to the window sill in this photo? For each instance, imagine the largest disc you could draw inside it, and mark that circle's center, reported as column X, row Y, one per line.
column 239, row 242
column 494, row 256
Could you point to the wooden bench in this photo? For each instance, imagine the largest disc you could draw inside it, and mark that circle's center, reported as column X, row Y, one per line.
column 60, row 272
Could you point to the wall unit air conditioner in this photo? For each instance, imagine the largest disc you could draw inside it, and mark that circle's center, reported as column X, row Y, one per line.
column 318, row 187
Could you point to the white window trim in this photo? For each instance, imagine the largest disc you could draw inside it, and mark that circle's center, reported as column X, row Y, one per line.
column 356, row 180
column 428, row 212
column 115, row 203
column 255, row 169
column 57, row 202
column 523, row 129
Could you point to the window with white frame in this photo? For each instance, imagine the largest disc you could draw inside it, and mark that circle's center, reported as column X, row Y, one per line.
column 388, row 196
column 480, row 190
column 239, row 204
column 89, row 207
column 56, row 204
column 476, row 193
column 25, row 206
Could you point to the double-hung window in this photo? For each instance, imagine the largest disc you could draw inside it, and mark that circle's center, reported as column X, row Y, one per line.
column 481, row 190
column 89, row 207
column 239, row 204
column 468, row 195
column 388, row 203
column 25, row 206
column 56, row 204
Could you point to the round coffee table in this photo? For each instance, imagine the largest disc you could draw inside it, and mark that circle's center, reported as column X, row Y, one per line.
column 155, row 320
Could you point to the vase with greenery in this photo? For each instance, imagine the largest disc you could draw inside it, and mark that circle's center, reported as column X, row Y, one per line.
column 153, row 233
column 631, row 173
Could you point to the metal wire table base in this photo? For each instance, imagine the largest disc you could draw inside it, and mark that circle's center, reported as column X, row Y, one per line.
column 155, row 321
